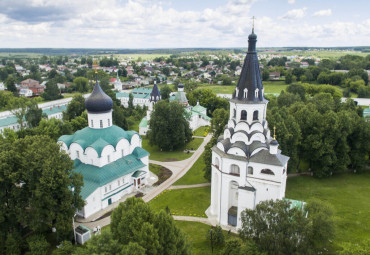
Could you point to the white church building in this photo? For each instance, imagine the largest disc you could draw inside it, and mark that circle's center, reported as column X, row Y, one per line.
column 111, row 160
column 247, row 166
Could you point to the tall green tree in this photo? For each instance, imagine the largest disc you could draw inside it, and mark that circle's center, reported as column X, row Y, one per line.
column 10, row 84
column 75, row 108
column 36, row 187
column 33, row 115
column 165, row 92
column 169, row 128
column 81, row 84
column 51, row 91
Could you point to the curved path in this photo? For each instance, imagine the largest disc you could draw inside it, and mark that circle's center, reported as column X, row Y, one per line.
column 190, row 186
column 178, row 168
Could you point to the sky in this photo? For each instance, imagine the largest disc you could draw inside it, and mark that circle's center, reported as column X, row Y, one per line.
column 182, row 23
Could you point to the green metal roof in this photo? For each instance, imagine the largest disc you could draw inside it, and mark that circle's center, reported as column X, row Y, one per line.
column 366, row 112
column 140, row 152
column 137, row 173
column 122, row 94
column 143, row 122
column 8, row 121
column 179, row 97
column 97, row 138
column 95, row 177
column 54, row 110
column 142, row 90
column 198, row 108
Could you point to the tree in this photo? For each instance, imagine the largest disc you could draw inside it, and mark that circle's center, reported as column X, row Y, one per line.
column 19, row 109
column 35, row 192
column 265, row 74
column 10, row 84
column 33, row 115
column 272, row 222
column 165, row 92
column 208, row 157
column 75, row 108
column 288, row 78
column 134, row 222
column 219, row 120
column 37, row 245
column 79, row 122
column 169, row 128
column 81, row 84
column 51, row 91
column 216, row 236
column 54, row 128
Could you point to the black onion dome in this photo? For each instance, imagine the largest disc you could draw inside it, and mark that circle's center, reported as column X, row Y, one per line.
column 274, row 142
column 98, row 101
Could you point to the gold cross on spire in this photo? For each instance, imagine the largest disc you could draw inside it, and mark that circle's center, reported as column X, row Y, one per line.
column 253, row 18
column 274, row 132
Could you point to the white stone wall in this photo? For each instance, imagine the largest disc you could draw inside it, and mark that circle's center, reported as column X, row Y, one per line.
column 100, row 120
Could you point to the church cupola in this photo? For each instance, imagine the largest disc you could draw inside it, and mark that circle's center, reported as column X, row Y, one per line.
column 155, row 95
column 99, row 108
column 250, row 86
column 274, row 146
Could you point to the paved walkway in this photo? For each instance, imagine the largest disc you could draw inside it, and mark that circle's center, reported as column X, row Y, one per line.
column 195, row 136
column 190, row 186
column 178, row 168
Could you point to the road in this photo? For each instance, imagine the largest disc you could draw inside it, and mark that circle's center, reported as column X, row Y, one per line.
column 178, row 168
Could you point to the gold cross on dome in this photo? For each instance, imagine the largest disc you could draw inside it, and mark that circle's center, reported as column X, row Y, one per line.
column 274, row 132
column 253, row 18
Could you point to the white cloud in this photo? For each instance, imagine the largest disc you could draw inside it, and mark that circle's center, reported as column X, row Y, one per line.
column 291, row 1
column 149, row 24
column 295, row 14
column 322, row 13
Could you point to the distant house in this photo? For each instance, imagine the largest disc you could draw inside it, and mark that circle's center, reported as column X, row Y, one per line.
column 25, row 92
column 274, row 75
column 304, row 64
column 33, row 85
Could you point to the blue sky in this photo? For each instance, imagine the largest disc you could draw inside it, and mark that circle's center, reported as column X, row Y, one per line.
column 185, row 23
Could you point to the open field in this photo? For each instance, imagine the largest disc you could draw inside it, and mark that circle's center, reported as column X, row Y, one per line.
column 201, row 131
column 186, row 202
column 319, row 54
column 195, row 175
column 349, row 195
column 135, row 56
column 20, row 55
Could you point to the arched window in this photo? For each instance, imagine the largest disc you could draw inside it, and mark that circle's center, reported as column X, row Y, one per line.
column 243, row 115
column 234, row 169
column 267, row 171
column 250, row 170
column 255, row 115
column 217, row 163
column 234, row 113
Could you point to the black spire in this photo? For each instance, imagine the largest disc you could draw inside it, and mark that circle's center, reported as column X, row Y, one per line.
column 155, row 95
column 250, row 86
column 98, row 101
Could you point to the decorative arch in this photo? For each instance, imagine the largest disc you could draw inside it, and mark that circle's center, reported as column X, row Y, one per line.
column 234, row 170
column 250, row 170
column 255, row 115
column 234, row 111
column 267, row 171
column 217, row 162
column 243, row 115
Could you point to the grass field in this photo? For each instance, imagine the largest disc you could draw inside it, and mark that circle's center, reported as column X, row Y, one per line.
column 186, row 202
column 321, row 54
column 157, row 154
column 350, row 196
column 195, row 174
column 201, row 131
column 194, row 144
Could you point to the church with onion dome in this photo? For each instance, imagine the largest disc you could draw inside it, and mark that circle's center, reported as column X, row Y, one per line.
column 247, row 166
column 110, row 159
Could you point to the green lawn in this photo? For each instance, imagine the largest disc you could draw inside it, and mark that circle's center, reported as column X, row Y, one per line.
column 350, row 196
column 187, row 202
column 201, row 131
column 195, row 174
column 196, row 233
column 157, row 154
column 155, row 169
column 194, row 144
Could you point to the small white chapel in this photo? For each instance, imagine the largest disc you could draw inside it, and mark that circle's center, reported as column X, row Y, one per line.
column 111, row 160
column 247, row 166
